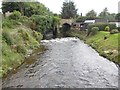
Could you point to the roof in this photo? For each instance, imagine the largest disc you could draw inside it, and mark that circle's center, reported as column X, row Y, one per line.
column 89, row 21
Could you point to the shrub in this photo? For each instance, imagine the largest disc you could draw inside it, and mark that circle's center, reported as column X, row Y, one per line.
column 42, row 23
column 38, row 36
column 21, row 49
column 10, row 23
column 7, row 23
column 107, row 28
column 8, row 39
column 15, row 15
column 24, row 19
column 114, row 31
column 118, row 29
column 33, row 26
column 24, row 34
column 101, row 26
column 94, row 30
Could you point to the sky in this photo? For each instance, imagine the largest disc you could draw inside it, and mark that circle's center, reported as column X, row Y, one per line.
column 83, row 6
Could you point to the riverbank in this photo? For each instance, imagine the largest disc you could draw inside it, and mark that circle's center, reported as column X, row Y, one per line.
column 18, row 43
column 107, row 48
column 67, row 63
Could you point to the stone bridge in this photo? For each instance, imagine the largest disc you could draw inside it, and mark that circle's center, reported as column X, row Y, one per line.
column 69, row 21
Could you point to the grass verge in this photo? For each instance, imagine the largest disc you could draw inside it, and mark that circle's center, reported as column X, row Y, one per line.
column 107, row 48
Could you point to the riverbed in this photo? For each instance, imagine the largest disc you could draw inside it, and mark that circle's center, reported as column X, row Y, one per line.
column 67, row 63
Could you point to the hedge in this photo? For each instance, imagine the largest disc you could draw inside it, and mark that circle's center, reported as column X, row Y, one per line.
column 102, row 26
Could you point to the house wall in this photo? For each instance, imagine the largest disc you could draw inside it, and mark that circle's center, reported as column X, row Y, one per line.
column 101, row 20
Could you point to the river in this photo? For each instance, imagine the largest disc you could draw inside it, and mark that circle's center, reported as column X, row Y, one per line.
column 67, row 63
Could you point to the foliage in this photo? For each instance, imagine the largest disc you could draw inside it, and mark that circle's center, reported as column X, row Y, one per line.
column 16, row 42
column 68, row 10
column 106, row 15
column 117, row 17
column 111, row 17
column 7, row 37
column 107, row 28
column 12, row 6
column 118, row 29
column 55, row 21
column 43, row 23
column 26, row 8
column 21, row 49
column 91, row 14
column 97, row 42
column 114, row 31
column 15, row 15
column 94, row 30
column 35, row 8
column 10, row 23
column 102, row 26
column 38, row 36
column 102, row 45
column 24, row 34
column 10, row 59
column 83, row 18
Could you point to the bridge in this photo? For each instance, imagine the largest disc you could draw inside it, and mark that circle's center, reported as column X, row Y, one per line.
column 69, row 21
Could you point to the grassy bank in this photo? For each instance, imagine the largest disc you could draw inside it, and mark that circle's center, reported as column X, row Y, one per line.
column 106, row 47
column 18, row 42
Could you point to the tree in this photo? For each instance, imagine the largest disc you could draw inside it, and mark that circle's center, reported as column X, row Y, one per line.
column 25, row 8
column 68, row 10
column 111, row 17
column 9, row 6
column 91, row 14
column 104, row 13
column 117, row 17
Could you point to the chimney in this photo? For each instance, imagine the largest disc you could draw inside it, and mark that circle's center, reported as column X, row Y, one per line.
column 81, row 14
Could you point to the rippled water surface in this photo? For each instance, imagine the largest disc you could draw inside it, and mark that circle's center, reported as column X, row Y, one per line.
column 67, row 63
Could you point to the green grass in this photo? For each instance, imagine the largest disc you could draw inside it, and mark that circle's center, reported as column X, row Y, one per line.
column 106, row 47
column 10, row 59
column 16, row 41
column 109, row 45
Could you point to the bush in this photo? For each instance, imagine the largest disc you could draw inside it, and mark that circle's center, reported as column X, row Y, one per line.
column 21, row 49
column 94, row 30
column 24, row 19
column 8, row 39
column 42, row 23
column 114, row 31
column 6, row 23
column 15, row 15
column 107, row 28
column 38, row 36
column 101, row 26
column 10, row 23
column 24, row 34
column 118, row 29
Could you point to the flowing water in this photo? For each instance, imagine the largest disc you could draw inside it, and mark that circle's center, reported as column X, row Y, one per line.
column 67, row 63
